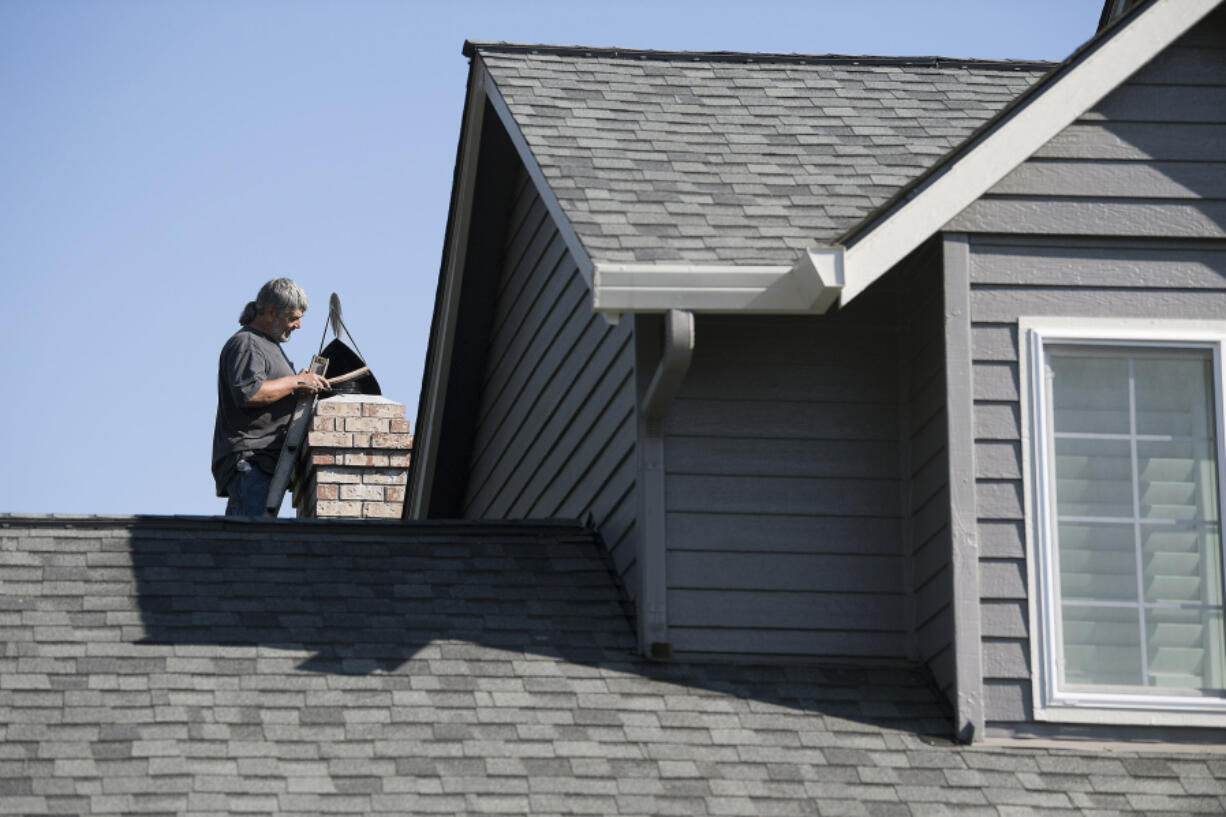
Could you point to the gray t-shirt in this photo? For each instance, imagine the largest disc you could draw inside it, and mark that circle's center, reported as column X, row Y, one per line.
column 248, row 359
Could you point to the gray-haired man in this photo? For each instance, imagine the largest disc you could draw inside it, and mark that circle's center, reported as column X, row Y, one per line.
column 255, row 396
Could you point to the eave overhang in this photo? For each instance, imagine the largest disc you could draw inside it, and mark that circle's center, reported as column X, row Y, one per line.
column 823, row 276
column 812, row 284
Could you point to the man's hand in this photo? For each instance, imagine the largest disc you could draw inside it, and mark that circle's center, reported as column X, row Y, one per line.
column 308, row 383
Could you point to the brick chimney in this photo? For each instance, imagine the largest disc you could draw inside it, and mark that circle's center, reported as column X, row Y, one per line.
column 355, row 461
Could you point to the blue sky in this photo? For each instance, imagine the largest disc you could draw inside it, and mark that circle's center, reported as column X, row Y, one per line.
column 160, row 160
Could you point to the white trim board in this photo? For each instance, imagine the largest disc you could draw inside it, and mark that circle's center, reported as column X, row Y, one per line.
column 1010, row 142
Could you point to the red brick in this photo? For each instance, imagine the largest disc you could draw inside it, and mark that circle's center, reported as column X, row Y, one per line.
column 338, row 408
column 381, row 510
column 398, row 460
column 385, row 476
column 323, row 423
column 365, row 460
column 330, row 439
column 399, row 427
column 335, row 474
column 322, row 459
column 389, row 440
column 394, row 493
column 367, row 423
column 392, row 410
column 326, row 491
column 361, row 439
column 372, row 493
column 339, row 509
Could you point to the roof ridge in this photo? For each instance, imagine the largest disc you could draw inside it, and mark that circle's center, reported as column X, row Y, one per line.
column 471, row 47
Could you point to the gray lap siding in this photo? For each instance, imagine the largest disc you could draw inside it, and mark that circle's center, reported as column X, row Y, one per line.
column 554, row 436
column 805, row 490
column 783, row 492
column 1120, row 215
column 1149, row 161
column 1163, row 280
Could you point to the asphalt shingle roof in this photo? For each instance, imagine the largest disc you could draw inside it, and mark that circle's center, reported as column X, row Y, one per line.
column 743, row 159
column 202, row 666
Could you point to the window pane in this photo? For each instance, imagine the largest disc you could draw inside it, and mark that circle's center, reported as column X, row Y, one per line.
column 1098, row 562
column 1173, row 396
column 1185, row 648
column 1136, row 492
column 1094, row 478
column 1090, row 394
column 1178, row 480
column 1102, row 645
column 1182, row 565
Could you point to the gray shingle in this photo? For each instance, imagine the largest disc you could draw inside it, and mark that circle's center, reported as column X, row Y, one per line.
column 730, row 125
column 353, row 697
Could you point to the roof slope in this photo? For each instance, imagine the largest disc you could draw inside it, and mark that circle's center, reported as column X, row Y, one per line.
column 185, row 666
column 724, row 158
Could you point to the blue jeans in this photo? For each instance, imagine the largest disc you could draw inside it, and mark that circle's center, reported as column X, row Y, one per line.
column 248, row 492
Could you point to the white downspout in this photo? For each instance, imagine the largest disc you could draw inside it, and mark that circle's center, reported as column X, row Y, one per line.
column 653, row 597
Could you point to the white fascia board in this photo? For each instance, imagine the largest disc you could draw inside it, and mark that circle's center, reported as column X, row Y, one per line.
column 548, row 198
column 1015, row 140
column 425, row 442
column 809, row 286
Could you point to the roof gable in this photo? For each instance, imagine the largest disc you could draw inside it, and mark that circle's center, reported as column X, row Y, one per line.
column 711, row 182
column 735, row 159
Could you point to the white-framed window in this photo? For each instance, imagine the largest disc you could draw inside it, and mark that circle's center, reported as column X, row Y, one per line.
column 1124, row 475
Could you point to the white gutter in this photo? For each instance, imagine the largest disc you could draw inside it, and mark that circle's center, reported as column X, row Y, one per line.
column 674, row 362
column 811, row 285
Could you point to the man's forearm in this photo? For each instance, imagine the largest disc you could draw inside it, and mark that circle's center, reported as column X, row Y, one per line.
column 273, row 390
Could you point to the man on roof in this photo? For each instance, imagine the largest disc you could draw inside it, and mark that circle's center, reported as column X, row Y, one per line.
column 256, row 385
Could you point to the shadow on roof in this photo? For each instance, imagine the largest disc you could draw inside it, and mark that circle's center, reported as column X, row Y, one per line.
column 365, row 599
